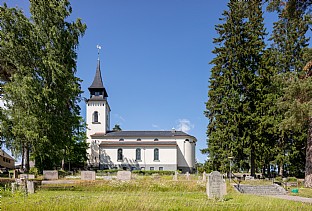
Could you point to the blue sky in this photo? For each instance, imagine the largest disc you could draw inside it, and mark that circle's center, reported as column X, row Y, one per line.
column 154, row 59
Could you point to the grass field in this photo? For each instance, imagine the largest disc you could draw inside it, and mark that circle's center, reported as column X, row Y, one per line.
column 139, row 194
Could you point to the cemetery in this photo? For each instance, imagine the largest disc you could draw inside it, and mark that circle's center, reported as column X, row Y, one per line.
column 87, row 190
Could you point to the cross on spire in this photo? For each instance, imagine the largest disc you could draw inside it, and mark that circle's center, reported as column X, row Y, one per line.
column 99, row 48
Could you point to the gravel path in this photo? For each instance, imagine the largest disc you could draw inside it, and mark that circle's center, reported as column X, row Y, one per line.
column 293, row 198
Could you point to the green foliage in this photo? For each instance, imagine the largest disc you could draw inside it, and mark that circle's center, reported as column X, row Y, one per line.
column 234, row 106
column 42, row 116
column 108, row 171
column 151, row 172
column 34, row 170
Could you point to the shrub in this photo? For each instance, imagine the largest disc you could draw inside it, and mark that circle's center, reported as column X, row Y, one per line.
column 291, row 179
column 107, row 171
column 150, row 172
column 34, row 170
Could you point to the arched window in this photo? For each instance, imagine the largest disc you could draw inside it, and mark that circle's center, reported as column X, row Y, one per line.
column 119, row 154
column 156, row 154
column 156, row 139
column 95, row 116
column 138, row 154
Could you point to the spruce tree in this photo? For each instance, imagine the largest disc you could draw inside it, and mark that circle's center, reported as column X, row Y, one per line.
column 232, row 107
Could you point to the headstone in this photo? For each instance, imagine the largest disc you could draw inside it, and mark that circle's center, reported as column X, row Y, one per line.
column 124, row 175
column 175, row 176
column 87, row 175
column 216, row 187
column 204, row 176
column 27, row 176
column 30, row 187
column 15, row 174
column 249, row 178
column 187, row 175
column 50, row 174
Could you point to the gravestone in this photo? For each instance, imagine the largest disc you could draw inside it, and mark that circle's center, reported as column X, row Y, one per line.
column 124, row 175
column 27, row 176
column 249, row 177
column 15, row 174
column 30, row 187
column 204, row 176
column 50, row 174
column 175, row 176
column 216, row 187
column 187, row 175
column 87, row 175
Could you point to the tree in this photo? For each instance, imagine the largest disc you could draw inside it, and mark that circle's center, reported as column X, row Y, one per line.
column 233, row 106
column 117, row 128
column 289, row 55
column 43, row 93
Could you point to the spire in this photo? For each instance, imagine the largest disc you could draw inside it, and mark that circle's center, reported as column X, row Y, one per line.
column 97, row 88
column 97, row 81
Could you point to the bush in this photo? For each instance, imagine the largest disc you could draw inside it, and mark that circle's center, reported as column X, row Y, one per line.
column 150, row 172
column 291, row 179
column 63, row 173
column 34, row 170
column 107, row 171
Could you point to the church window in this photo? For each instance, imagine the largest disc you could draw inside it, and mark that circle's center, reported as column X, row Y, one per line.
column 138, row 139
column 138, row 154
column 119, row 154
column 121, row 139
column 156, row 154
column 156, row 139
column 95, row 116
column 97, row 93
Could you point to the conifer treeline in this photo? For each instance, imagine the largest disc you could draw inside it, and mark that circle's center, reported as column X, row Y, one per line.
column 253, row 86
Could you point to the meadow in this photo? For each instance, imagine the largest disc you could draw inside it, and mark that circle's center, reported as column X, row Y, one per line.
column 143, row 193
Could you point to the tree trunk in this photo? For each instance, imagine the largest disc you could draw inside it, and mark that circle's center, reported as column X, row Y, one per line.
column 27, row 159
column 252, row 162
column 308, row 164
column 281, row 169
column 23, row 157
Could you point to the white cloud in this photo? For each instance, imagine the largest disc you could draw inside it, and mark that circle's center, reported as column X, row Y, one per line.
column 184, row 125
column 155, row 126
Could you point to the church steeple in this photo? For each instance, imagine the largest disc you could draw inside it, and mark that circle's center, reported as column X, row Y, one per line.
column 97, row 88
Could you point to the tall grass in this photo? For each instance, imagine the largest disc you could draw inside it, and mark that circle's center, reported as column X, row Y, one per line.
column 140, row 194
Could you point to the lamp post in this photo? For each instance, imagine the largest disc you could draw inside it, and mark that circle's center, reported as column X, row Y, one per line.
column 230, row 167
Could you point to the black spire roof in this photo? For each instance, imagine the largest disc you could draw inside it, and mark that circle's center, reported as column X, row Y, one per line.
column 97, row 88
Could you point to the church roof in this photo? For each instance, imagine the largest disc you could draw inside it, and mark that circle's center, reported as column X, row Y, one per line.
column 141, row 134
column 4, row 154
column 97, row 81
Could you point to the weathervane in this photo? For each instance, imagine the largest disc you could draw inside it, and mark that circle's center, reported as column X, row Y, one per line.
column 99, row 48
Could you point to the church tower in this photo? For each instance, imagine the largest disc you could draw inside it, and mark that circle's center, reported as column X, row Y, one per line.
column 97, row 116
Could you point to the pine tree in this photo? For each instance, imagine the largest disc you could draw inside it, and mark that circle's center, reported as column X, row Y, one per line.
column 287, row 56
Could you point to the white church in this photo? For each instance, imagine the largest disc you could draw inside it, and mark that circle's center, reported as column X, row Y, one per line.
column 132, row 150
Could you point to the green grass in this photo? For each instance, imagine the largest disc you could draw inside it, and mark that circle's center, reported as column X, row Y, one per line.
column 139, row 194
column 303, row 192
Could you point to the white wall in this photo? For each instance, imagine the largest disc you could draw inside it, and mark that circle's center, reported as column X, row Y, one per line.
column 167, row 155
column 102, row 126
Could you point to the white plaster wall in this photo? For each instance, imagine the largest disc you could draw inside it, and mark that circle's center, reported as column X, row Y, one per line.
column 167, row 155
column 103, row 110
column 186, row 152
